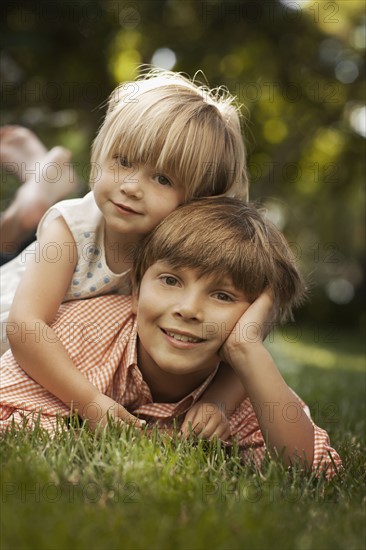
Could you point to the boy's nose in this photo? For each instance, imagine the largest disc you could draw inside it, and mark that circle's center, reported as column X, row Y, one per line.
column 190, row 308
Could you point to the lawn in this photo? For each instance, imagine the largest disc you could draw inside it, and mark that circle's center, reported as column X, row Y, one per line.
column 127, row 490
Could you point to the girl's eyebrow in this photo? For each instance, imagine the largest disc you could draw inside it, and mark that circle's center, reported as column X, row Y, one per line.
column 165, row 172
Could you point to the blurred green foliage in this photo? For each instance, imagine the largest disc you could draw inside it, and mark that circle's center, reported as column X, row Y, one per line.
column 296, row 68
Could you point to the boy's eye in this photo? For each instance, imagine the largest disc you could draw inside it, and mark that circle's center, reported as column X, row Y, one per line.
column 169, row 280
column 224, row 297
column 162, row 179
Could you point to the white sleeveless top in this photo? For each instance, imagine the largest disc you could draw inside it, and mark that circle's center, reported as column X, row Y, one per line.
column 92, row 276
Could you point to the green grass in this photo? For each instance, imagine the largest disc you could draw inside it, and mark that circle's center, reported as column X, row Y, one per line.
column 126, row 490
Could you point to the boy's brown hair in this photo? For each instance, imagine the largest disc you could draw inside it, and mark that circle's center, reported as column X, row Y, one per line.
column 227, row 237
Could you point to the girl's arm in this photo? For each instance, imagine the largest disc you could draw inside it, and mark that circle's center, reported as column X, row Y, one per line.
column 283, row 422
column 35, row 345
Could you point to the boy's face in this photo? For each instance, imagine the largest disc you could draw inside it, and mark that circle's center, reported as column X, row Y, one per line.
column 183, row 319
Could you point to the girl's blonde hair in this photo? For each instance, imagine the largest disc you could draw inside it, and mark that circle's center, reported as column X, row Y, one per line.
column 185, row 130
column 223, row 236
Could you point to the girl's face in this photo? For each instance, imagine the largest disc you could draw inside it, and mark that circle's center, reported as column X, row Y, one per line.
column 134, row 198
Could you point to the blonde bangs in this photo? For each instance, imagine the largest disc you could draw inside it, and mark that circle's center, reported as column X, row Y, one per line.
column 200, row 157
column 188, row 133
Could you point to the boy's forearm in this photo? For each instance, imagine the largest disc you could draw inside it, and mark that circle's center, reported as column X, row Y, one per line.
column 225, row 390
column 47, row 362
column 283, row 422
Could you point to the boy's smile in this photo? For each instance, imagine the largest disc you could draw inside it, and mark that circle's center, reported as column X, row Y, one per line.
column 183, row 320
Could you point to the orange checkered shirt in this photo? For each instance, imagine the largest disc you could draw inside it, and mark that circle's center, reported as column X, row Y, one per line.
column 100, row 336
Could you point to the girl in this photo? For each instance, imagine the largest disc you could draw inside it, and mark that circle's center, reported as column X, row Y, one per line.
column 164, row 141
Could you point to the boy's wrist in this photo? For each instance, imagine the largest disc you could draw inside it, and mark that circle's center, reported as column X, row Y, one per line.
column 242, row 355
column 210, row 400
column 241, row 348
column 85, row 404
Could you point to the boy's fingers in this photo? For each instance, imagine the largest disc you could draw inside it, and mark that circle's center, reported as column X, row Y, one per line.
column 211, row 428
column 191, row 420
column 222, row 432
column 191, row 427
column 124, row 415
column 265, row 303
column 225, row 433
column 210, row 431
column 219, row 429
column 258, row 317
column 185, row 425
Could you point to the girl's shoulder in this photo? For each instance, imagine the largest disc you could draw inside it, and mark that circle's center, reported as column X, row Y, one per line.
column 81, row 215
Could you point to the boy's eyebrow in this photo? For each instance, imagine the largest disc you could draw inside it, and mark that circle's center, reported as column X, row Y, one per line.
column 215, row 278
column 225, row 282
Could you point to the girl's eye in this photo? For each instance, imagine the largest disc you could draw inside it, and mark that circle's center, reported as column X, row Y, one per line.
column 163, row 180
column 224, row 297
column 169, row 280
column 123, row 161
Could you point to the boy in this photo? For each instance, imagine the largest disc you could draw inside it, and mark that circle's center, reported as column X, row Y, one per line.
column 205, row 283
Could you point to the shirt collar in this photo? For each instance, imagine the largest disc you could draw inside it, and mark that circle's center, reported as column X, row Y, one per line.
column 172, row 409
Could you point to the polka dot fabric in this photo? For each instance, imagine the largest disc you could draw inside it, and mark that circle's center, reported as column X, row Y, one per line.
column 92, row 276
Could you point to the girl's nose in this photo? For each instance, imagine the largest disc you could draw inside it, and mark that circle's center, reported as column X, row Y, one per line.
column 132, row 186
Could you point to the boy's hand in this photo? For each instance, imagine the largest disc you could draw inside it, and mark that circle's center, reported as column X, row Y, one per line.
column 251, row 329
column 102, row 407
column 207, row 421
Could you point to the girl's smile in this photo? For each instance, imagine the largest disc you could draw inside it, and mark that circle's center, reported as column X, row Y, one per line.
column 125, row 210
column 135, row 198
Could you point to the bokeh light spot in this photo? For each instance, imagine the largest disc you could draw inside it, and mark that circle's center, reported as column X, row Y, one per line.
column 275, row 130
column 346, row 71
column 340, row 291
column 357, row 120
column 164, row 58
